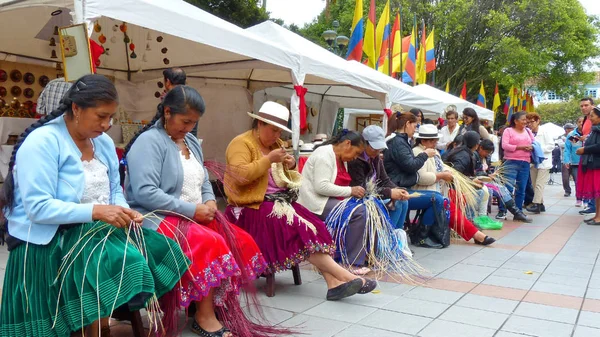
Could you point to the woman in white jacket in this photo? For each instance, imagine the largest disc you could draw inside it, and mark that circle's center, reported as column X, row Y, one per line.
column 540, row 174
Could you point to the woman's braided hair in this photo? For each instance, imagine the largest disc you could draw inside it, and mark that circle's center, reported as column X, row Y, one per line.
column 88, row 91
column 178, row 100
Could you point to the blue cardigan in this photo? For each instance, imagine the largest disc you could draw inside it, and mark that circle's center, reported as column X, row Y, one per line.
column 155, row 175
column 49, row 182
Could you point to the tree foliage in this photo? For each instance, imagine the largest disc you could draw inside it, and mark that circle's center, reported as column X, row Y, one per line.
column 244, row 13
column 559, row 113
column 546, row 42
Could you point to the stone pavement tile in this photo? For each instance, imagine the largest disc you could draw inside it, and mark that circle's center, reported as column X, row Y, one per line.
column 499, row 292
column 452, row 285
column 509, row 282
column 476, row 317
column 584, row 331
column 467, row 273
column 537, row 327
column 537, row 268
column 441, row 328
column 576, row 259
column 514, row 248
column 564, row 280
column 532, row 257
column 290, row 302
column 594, row 283
column 417, row 307
column 434, row 295
column 570, row 269
column 340, row 311
column 398, row 290
column 554, row 300
column 593, row 293
column 372, row 300
column 488, row 303
column 591, row 305
column 509, row 334
column 588, row 318
column 556, row 314
column 314, row 326
column 395, row 321
column 270, row 315
column 311, row 289
column 568, row 290
column 517, row 274
column 495, row 253
column 480, row 261
column 435, row 265
column 363, row 331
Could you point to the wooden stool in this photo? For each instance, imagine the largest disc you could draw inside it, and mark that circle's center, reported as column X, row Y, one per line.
column 122, row 313
column 270, row 290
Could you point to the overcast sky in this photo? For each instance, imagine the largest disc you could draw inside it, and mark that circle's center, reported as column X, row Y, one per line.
column 304, row 11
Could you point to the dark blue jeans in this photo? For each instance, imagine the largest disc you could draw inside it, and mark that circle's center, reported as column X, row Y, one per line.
column 425, row 203
column 398, row 215
column 517, row 174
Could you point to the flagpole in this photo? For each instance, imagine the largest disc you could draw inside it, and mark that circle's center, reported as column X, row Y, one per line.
column 401, row 44
column 416, row 47
column 390, row 46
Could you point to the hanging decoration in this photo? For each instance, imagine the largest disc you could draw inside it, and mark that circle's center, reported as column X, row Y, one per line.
column 148, row 37
column 148, row 47
column 52, row 42
column 97, row 27
column 102, row 39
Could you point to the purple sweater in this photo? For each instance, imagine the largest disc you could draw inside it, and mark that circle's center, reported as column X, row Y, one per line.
column 511, row 139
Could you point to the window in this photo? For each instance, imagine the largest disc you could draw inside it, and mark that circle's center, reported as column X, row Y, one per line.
column 552, row 96
column 593, row 93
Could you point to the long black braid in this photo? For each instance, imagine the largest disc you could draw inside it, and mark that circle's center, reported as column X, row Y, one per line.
column 178, row 100
column 88, row 91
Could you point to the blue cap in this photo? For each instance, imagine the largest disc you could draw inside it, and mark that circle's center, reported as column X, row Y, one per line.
column 375, row 136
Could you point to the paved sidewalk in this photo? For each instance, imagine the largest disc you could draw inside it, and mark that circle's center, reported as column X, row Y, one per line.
column 538, row 279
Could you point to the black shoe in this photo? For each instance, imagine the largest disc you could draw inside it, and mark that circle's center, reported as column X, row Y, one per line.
column 586, row 211
column 486, row 242
column 429, row 243
column 567, row 194
column 501, row 215
column 368, row 287
column 590, row 220
column 593, row 223
column 533, row 208
column 542, row 208
column 520, row 216
column 345, row 290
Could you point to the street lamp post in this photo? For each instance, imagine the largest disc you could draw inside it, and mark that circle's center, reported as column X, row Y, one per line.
column 337, row 43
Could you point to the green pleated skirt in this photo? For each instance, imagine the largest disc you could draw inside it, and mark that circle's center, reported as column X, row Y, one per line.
column 82, row 275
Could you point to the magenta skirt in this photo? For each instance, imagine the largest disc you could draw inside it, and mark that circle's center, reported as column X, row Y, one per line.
column 283, row 245
column 588, row 184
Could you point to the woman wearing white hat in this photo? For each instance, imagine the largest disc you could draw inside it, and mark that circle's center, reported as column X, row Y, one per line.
column 262, row 188
column 432, row 177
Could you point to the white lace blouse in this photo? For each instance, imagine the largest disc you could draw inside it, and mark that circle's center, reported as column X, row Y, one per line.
column 97, row 183
column 193, row 178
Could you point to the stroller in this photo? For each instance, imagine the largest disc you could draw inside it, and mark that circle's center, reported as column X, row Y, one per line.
column 556, row 164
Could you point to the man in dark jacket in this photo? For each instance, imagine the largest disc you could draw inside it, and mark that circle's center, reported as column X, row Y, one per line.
column 369, row 167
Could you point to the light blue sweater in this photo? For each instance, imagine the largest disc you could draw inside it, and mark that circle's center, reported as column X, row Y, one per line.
column 155, row 175
column 49, row 182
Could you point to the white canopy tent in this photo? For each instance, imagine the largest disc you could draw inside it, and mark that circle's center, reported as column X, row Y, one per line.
column 222, row 55
column 444, row 99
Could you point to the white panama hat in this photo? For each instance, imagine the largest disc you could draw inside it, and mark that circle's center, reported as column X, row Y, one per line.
column 274, row 114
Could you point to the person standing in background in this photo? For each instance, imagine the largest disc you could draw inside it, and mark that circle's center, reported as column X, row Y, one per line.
column 449, row 132
column 571, row 158
column 51, row 96
column 565, row 174
column 173, row 77
column 587, row 105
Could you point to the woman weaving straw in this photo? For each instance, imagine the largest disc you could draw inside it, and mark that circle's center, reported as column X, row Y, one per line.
column 76, row 250
column 165, row 172
column 435, row 177
column 262, row 186
column 356, row 217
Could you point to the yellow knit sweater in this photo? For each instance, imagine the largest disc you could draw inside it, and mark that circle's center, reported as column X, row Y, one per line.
column 247, row 173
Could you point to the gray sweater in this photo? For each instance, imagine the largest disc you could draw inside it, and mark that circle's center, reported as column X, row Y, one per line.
column 155, row 175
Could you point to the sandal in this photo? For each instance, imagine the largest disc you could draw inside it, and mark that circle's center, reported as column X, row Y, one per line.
column 368, row 287
column 197, row 329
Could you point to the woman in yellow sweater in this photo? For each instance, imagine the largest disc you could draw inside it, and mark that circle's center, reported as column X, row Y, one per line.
column 262, row 187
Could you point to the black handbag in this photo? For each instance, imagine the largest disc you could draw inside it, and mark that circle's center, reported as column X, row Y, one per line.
column 440, row 230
